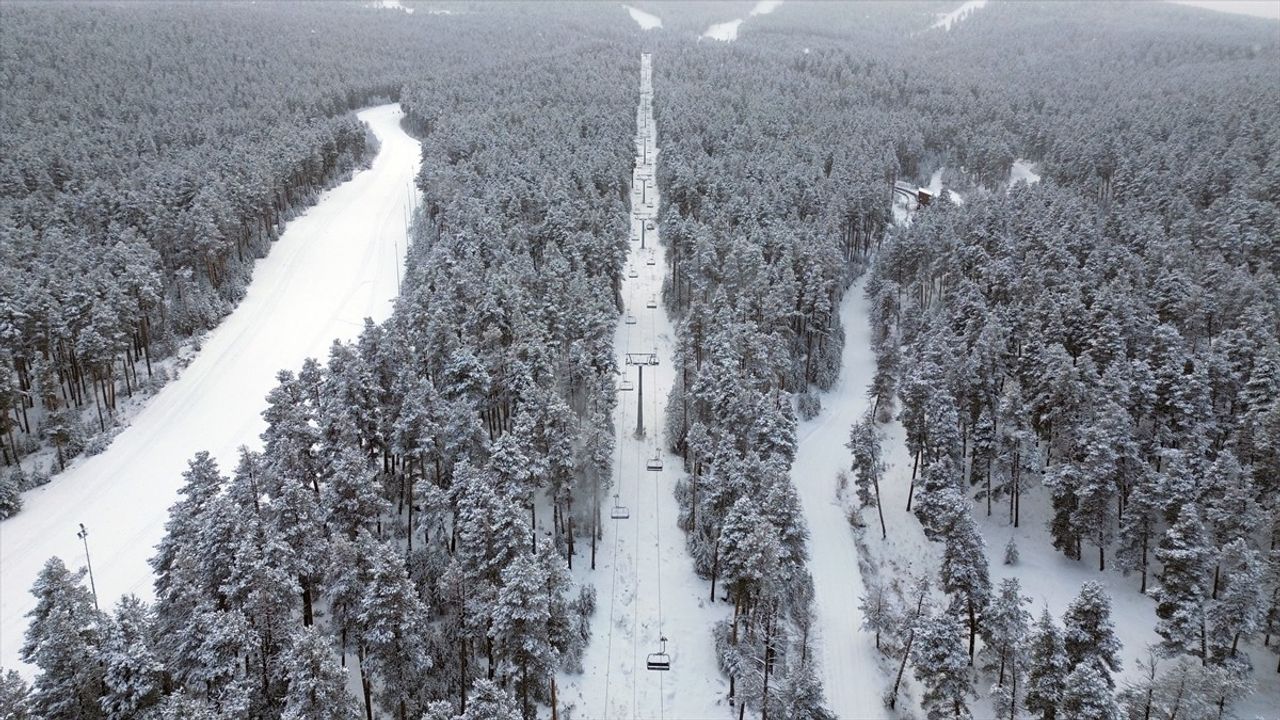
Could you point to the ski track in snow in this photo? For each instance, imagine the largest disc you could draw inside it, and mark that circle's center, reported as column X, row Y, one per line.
column 645, row 582
column 850, row 676
column 646, row 21
column 959, row 14
column 335, row 264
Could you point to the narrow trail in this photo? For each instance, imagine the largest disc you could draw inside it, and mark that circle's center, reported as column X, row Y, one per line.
column 335, row 264
column 645, row 582
column 850, row 676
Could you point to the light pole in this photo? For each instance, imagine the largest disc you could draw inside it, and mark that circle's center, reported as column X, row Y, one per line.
column 84, row 537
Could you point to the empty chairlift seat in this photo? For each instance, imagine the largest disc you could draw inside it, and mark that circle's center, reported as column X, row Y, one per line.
column 632, row 273
column 630, row 319
column 619, row 512
column 626, row 385
column 655, row 462
column 660, row 660
column 653, row 302
column 650, row 260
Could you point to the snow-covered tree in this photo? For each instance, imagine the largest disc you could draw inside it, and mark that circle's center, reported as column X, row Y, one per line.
column 1047, row 667
column 64, row 642
column 1088, row 633
column 941, row 664
column 317, row 681
column 1088, row 696
column 132, row 674
column 1184, row 580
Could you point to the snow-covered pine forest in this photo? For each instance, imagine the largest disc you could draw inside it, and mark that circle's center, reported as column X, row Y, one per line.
column 677, row 398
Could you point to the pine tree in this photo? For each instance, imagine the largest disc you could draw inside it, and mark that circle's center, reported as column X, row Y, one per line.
column 317, row 681
column 1088, row 695
column 132, row 675
column 489, row 701
column 10, row 494
column 942, row 666
column 1237, row 613
column 964, row 572
column 1088, row 634
column 1004, row 629
column 878, row 612
column 64, row 642
column 864, row 443
column 1047, row 668
column 1181, row 597
column 14, row 697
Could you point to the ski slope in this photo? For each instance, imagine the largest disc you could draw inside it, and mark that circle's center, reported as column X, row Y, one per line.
column 847, row 656
column 645, row 582
column 334, row 265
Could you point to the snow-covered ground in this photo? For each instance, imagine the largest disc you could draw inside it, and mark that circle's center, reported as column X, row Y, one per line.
column 959, row 14
column 1023, row 171
column 728, row 31
column 724, row 32
column 334, row 265
column 391, row 5
column 764, row 7
column 645, row 583
column 847, row 655
column 646, row 21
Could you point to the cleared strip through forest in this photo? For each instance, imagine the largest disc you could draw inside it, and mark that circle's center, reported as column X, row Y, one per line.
column 646, row 584
column 334, row 265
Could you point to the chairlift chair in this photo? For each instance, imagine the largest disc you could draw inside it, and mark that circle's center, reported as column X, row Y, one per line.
column 660, row 660
column 653, row 302
column 619, row 512
column 630, row 319
column 655, row 462
column 626, row 385
column 632, row 273
column 650, row 260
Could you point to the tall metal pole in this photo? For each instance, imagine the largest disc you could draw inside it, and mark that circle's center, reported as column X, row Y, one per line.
column 84, row 537
column 640, row 403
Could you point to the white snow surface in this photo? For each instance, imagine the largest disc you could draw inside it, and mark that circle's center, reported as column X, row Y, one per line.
column 646, row 21
column 724, row 32
column 728, row 31
column 764, row 7
column 334, row 265
column 955, row 16
column 645, row 582
column 1023, row 171
column 391, row 5
column 849, row 673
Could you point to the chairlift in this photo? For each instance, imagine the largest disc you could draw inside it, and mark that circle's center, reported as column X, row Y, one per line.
column 653, row 302
column 632, row 273
column 619, row 512
column 630, row 319
column 655, row 462
column 650, row 260
column 626, row 385
column 659, row 660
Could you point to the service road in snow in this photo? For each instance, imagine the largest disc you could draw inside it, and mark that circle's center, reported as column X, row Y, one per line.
column 334, row 265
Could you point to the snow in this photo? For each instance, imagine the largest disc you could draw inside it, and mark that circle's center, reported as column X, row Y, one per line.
column 956, row 16
column 645, row 582
column 764, row 7
column 725, row 31
column 847, row 655
column 335, row 264
column 646, row 21
column 1023, row 171
column 728, row 31
column 391, row 5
